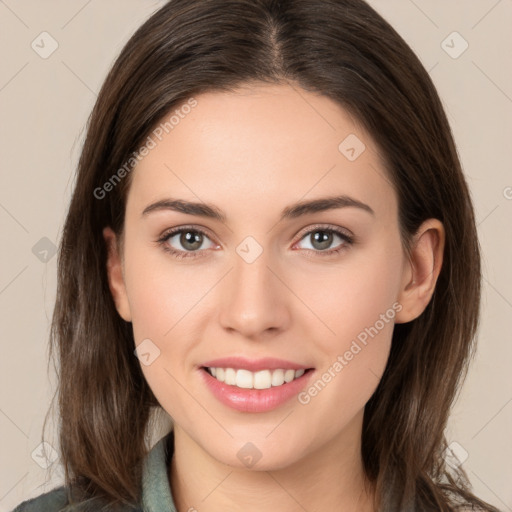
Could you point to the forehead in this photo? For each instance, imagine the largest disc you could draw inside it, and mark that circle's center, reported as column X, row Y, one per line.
column 260, row 146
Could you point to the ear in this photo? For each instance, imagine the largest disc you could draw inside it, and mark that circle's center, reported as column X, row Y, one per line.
column 421, row 270
column 116, row 275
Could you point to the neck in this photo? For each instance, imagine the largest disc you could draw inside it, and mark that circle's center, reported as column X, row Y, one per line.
column 329, row 479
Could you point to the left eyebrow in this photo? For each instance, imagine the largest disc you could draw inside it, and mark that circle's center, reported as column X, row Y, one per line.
column 290, row 212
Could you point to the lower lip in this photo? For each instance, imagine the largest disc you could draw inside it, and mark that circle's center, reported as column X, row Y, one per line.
column 255, row 400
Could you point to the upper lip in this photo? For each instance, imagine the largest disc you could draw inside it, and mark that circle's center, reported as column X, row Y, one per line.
column 254, row 365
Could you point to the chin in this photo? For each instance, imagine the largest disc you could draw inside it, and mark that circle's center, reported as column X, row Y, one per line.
column 256, row 453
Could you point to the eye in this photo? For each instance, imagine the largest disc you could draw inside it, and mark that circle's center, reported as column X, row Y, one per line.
column 321, row 238
column 190, row 239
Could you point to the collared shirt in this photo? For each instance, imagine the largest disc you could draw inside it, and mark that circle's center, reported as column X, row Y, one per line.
column 156, row 491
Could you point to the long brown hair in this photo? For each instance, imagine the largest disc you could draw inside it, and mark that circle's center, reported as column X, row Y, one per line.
column 343, row 50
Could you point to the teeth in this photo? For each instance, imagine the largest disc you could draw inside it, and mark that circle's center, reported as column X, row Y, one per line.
column 230, row 376
column 277, row 377
column 289, row 375
column 263, row 379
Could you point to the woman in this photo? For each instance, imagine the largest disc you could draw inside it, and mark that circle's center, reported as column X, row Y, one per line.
column 227, row 136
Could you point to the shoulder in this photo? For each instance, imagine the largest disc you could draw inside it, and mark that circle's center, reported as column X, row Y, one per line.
column 57, row 500
column 52, row 501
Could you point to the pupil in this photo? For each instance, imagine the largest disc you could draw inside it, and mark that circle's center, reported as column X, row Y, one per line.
column 189, row 238
column 324, row 239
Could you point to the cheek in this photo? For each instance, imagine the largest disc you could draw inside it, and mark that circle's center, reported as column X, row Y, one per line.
column 160, row 292
column 159, row 306
column 353, row 296
column 358, row 305
column 366, row 312
column 157, row 303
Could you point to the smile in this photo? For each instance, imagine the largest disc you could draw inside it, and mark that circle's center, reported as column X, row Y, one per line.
column 263, row 379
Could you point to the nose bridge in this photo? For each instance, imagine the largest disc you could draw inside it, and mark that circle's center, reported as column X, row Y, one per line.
column 254, row 298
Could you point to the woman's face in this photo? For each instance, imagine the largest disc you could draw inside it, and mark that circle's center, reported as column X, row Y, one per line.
column 269, row 281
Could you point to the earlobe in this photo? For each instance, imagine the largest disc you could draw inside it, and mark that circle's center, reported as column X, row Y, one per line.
column 421, row 270
column 115, row 275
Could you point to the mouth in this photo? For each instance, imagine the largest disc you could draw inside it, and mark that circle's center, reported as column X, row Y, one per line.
column 262, row 379
column 254, row 386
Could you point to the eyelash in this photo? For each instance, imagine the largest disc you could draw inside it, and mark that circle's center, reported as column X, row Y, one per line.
column 349, row 240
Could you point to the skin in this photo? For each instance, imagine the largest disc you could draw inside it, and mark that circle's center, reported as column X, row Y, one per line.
column 252, row 153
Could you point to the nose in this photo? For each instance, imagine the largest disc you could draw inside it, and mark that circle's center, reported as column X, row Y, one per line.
column 255, row 298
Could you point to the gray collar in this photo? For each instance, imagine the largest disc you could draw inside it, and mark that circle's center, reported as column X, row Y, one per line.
column 156, row 491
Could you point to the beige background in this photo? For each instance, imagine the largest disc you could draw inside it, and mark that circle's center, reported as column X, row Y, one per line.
column 44, row 104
